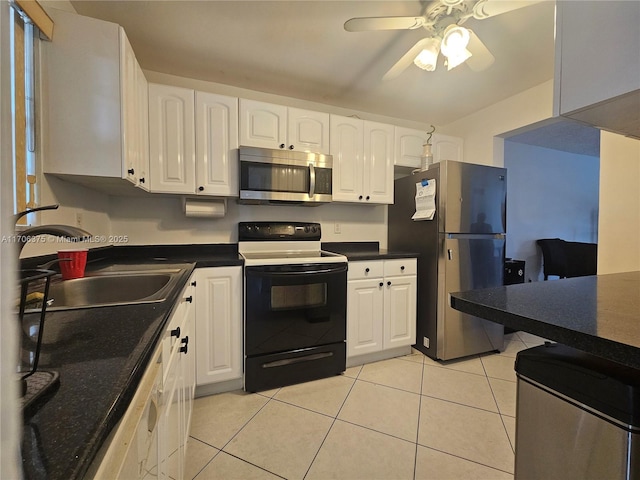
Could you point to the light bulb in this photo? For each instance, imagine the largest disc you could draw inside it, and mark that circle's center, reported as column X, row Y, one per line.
column 428, row 57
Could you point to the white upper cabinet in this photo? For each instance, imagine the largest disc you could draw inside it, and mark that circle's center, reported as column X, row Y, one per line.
column 135, row 118
column 95, row 108
column 408, row 147
column 378, row 161
column 307, row 131
column 362, row 160
column 347, row 149
column 262, row 124
column 216, row 144
column 193, row 142
column 446, row 147
column 597, row 78
column 171, row 139
column 267, row 125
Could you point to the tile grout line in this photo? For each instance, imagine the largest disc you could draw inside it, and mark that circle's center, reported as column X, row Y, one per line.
column 332, row 424
column 504, row 426
column 234, row 436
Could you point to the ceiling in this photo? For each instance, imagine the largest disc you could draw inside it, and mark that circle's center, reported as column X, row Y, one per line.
column 300, row 49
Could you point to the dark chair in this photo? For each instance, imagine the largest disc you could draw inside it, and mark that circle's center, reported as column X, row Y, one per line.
column 568, row 259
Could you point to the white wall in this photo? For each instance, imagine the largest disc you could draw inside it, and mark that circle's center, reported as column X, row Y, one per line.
column 160, row 220
column 619, row 221
column 480, row 128
column 549, row 194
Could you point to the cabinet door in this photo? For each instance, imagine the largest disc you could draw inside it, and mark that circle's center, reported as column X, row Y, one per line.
column 307, row 131
column 171, row 139
column 218, row 324
column 446, row 147
column 364, row 316
column 83, row 91
column 378, row 161
column 347, row 149
column 216, row 144
column 408, row 147
column 399, row 311
column 130, row 110
column 170, row 445
column 262, row 124
column 188, row 364
column 142, row 168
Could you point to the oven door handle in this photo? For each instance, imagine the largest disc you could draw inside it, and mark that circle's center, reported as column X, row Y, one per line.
column 266, row 270
column 312, row 180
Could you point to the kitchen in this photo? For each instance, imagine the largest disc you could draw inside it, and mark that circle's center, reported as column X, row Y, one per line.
column 160, row 220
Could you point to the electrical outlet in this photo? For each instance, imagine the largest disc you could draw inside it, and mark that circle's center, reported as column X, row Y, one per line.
column 79, row 219
column 425, row 342
column 337, row 228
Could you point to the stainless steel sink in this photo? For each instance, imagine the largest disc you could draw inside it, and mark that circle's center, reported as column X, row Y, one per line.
column 110, row 287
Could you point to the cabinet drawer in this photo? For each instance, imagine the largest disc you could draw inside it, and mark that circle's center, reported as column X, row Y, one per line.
column 403, row 266
column 365, row 269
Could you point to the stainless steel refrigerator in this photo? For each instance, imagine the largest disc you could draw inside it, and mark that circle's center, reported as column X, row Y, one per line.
column 461, row 248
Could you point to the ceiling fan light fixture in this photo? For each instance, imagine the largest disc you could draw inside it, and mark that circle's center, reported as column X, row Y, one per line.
column 428, row 57
column 456, row 59
column 454, row 45
column 455, row 40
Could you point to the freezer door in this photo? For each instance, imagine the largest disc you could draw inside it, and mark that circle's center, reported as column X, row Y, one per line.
column 473, row 198
column 468, row 262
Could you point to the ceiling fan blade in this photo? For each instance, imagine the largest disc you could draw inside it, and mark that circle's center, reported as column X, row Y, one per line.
column 383, row 23
column 490, row 8
column 481, row 58
column 406, row 60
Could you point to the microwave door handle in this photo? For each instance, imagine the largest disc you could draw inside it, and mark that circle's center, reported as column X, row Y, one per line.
column 312, row 180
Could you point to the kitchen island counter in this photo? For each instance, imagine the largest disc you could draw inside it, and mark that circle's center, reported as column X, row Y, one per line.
column 598, row 314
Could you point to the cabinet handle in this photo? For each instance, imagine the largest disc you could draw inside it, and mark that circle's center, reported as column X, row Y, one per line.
column 193, row 284
column 176, row 332
column 388, row 284
column 201, row 189
column 131, row 171
column 402, row 268
column 141, row 179
column 189, row 299
column 360, row 197
column 185, row 345
column 381, row 284
column 282, row 145
column 290, row 147
column 368, row 197
column 366, row 270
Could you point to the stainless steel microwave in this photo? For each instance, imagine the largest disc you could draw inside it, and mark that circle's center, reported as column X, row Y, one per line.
column 275, row 176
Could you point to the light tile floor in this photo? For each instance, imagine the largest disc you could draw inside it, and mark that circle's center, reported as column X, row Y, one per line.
column 404, row 418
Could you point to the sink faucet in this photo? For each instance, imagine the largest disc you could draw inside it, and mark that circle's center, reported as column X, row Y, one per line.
column 74, row 234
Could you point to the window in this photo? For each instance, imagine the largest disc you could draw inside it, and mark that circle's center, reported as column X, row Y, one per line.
column 28, row 22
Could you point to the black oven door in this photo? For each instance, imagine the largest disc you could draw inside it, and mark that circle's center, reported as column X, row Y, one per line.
column 293, row 307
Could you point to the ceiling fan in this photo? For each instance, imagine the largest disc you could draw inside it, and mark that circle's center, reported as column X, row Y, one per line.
column 446, row 35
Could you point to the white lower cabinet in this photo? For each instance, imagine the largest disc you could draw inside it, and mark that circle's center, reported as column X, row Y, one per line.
column 381, row 305
column 176, row 401
column 150, row 440
column 218, row 324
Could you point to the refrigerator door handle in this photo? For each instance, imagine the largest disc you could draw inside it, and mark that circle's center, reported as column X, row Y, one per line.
column 450, row 254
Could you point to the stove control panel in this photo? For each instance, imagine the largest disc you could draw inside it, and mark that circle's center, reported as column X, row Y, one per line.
column 258, row 231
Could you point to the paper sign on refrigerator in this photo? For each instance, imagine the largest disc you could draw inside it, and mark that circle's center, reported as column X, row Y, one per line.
column 425, row 200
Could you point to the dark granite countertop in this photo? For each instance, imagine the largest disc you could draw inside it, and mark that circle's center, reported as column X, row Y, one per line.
column 100, row 355
column 598, row 314
column 355, row 251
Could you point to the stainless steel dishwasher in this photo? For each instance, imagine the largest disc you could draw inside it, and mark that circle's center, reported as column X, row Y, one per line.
column 577, row 416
